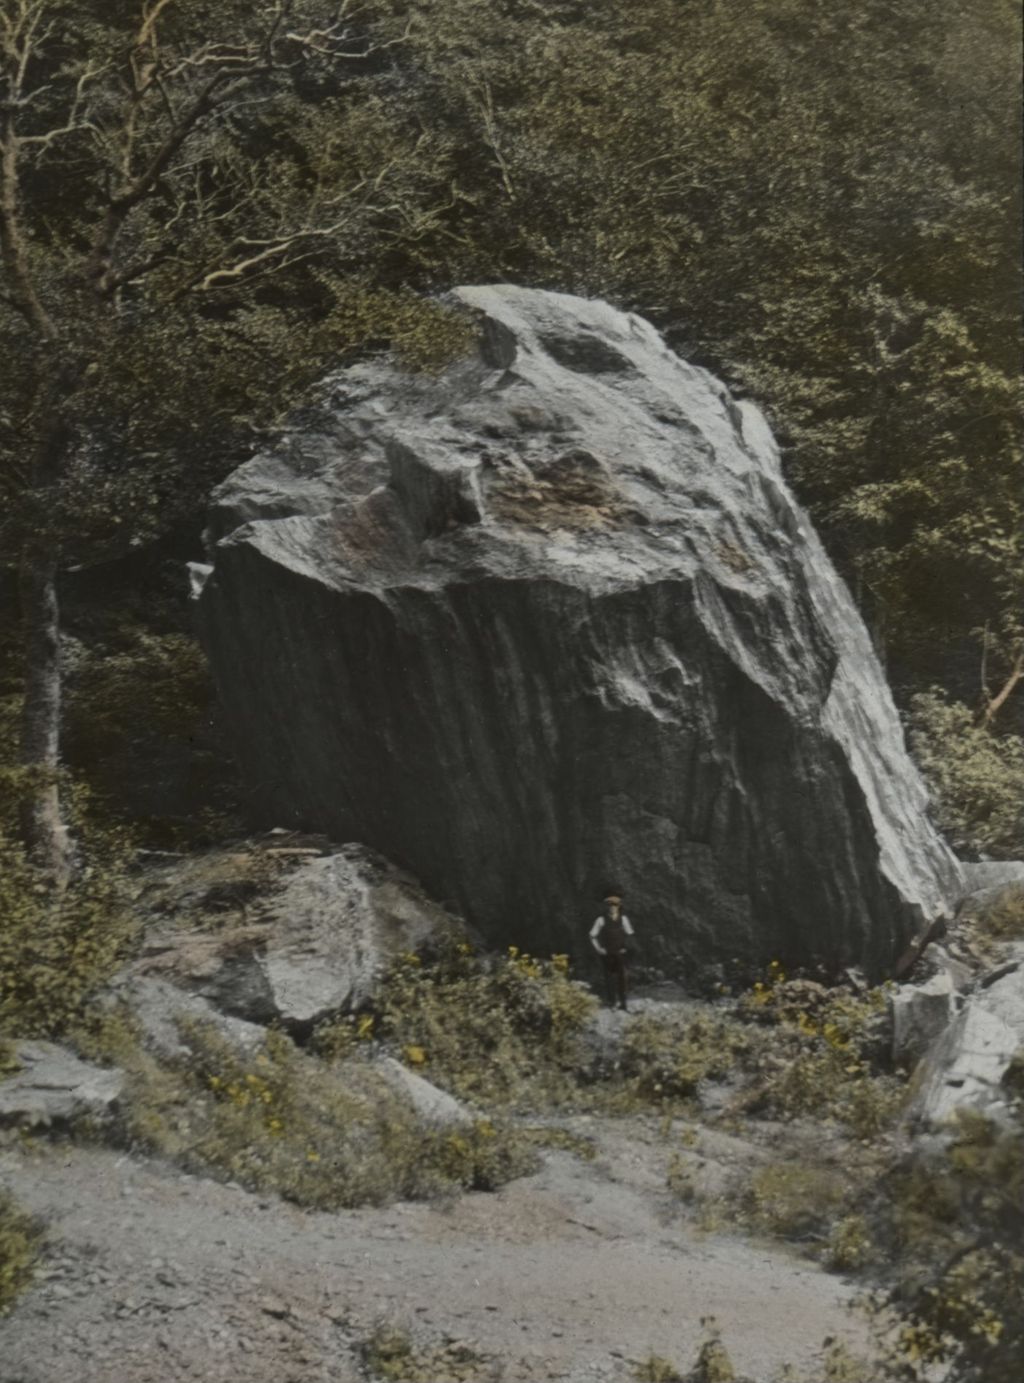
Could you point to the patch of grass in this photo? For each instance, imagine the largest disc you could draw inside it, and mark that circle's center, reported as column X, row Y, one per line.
column 825, row 1054
column 20, row 1240
column 390, row 1355
column 655, row 1369
column 278, row 1120
column 1003, row 919
column 789, row 1201
column 664, row 1059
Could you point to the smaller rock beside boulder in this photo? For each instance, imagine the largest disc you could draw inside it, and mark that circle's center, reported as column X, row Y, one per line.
column 432, row 1106
column 967, row 1066
column 336, row 925
column 920, row 1014
column 159, row 1007
column 289, row 945
column 54, row 1086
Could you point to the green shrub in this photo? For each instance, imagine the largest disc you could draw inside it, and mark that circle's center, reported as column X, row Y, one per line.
column 713, row 1363
column 56, row 951
column 850, row 1245
column 823, row 1054
column 953, row 1223
column 278, row 1120
column 655, row 1369
column 20, row 1239
column 390, row 1355
column 500, row 1031
column 1003, row 919
column 665, row 1058
column 138, row 712
column 8, row 1058
column 976, row 776
column 789, row 1201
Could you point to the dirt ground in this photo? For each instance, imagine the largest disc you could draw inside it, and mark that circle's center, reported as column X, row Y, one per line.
column 575, row 1273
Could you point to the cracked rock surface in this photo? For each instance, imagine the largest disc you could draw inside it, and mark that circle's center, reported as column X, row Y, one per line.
column 555, row 618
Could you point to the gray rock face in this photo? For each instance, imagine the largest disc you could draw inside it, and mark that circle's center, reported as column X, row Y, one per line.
column 54, row 1086
column 920, row 1013
column 555, row 617
column 988, row 874
column 159, row 1006
column 334, row 928
column 966, row 1067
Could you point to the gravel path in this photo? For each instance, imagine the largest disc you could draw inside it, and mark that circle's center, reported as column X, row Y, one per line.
column 573, row 1274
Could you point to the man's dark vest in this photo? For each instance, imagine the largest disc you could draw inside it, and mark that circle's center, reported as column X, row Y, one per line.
column 613, row 936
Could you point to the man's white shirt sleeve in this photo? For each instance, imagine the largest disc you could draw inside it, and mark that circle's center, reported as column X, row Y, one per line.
column 595, row 932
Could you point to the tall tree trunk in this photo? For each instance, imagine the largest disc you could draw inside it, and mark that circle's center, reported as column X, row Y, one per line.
column 43, row 828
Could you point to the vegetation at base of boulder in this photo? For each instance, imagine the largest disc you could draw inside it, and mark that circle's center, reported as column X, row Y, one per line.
column 20, row 1240
column 663, row 1059
column 278, row 1120
column 976, row 776
column 504, row 1030
column 391, row 1356
column 826, row 1056
column 8, row 1058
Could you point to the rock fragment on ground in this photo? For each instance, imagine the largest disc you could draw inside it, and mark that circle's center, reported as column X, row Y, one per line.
column 53, row 1086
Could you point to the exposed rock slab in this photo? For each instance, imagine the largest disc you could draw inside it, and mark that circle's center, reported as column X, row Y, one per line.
column 967, row 1066
column 160, row 1007
column 54, row 1086
column 920, row 1014
column 431, row 1105
column 992, row 874
column 555, row 616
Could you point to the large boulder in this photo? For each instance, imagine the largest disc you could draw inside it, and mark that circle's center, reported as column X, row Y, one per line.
column 554, row 617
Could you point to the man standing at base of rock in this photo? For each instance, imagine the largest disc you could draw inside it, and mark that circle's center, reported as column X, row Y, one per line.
column 608, row 935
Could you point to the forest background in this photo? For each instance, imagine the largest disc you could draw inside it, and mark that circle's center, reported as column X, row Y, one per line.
column 218, row 203
column 207, row 205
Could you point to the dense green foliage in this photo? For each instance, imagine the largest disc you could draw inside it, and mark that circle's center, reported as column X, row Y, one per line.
column 977, row 777
column 954, row 1223
column 56, row 950
column 502, row 1031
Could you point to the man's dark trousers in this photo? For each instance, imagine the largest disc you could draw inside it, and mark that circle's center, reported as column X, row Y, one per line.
column 615, row 976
